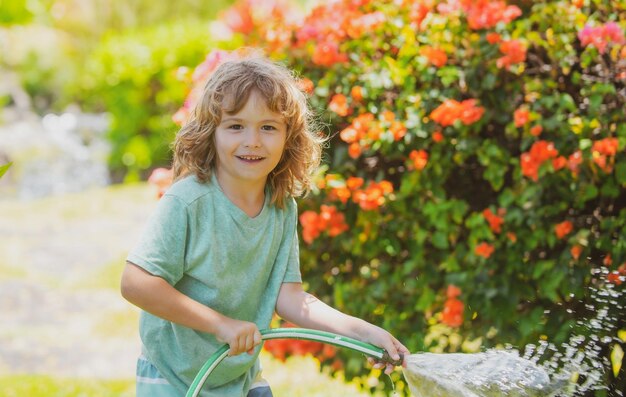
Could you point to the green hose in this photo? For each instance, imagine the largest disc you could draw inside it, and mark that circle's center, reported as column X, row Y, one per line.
column 290, row 333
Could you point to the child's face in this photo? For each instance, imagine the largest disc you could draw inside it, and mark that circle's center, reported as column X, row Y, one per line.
column 249, row 143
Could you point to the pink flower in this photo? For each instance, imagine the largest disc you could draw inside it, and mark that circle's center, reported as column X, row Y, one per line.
column 601, row 36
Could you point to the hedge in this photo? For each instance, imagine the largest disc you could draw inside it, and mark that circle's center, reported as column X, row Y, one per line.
column 472, row 193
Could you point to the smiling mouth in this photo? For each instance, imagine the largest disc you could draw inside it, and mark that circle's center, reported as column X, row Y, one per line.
column 250, row 158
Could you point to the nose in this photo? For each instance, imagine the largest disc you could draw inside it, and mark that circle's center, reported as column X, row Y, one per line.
column 252, row 138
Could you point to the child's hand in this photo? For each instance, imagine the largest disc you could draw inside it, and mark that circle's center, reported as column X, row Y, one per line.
column 381, row 338
column 241, row 336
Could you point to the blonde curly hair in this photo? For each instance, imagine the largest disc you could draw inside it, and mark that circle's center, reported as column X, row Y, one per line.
column 227, row 91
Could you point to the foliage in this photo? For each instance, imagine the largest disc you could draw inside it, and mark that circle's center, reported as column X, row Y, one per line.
column 4, row 168
column 474, row 144
column 139, row 78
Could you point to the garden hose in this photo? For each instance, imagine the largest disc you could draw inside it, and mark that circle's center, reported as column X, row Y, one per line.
column 291, row 333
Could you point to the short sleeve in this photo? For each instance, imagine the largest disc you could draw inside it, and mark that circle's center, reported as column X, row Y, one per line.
column 161, row 247
column 292, row 274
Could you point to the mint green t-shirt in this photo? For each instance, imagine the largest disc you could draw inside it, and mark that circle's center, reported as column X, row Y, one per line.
column 210, row 250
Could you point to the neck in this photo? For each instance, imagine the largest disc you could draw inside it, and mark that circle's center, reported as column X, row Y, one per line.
column 249, row 197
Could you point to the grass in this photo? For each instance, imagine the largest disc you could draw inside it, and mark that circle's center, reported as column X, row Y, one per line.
column 297, row 377
column 54, row 226
column 41, row 385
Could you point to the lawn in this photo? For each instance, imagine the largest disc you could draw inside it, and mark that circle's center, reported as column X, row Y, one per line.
column 71, row 249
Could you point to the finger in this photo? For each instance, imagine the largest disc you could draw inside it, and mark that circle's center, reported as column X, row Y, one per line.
column 371, row 361
column 389, row 369
column 257, row 337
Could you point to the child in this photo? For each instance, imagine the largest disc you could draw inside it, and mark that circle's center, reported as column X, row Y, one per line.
column 220, row 254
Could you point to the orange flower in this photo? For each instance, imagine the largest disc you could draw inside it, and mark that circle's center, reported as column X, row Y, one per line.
column 511, row 236
column 349, row 135
column 239, row 18
column 487, row 14
column 450, row 111
column 437, row 136
column 513, row 52
column 574, row 160
column 329, row 219
column 356, row 93
column 398, row 130
column 388, row 115
column 339, row 105
column 354, row 150
column 559, row 163
column 326, row 53
column 435, row 56
column 614, row 278
column 563, row 229
column 575, row 251
column 306, row 85
column 354, row 183
column 419, row 158
column 340, row 193
column 484, row 249
column 495, row 221
column 608, row 260
column 606, row 146
column 452, row 314
column 418, row 10
column 493, row 38
column 453, row 291
column 521, row 116
column 540, row 152
column 373, row 196
column 536, row 130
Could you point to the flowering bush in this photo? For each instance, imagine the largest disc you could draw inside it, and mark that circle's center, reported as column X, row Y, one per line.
column 476, row 167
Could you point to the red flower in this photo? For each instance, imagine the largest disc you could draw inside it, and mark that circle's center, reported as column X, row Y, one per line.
column 536, row 130
column 484, row 249
column 437, row 136
column 514, row 52
column 329, row 219
column 575, row 251
column 327, row 53
column 521, row 117
column 453, row 291
column 452, row 314
column 540, row 152
column 563, row 229
column 493, row 38
column 495, row 221
column 450, row 111
column 373, row 196
column 614, row 278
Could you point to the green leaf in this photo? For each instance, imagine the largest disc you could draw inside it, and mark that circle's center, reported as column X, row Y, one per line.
column 426, row 299
column 541, row 267
column 5, row 168
column 620, row 173
column 440, row 240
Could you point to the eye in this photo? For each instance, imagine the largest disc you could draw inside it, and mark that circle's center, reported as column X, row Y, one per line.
column 235, row 127
column 268, row 128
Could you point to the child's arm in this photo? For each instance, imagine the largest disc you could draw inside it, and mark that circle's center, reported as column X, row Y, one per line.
column 305, row 310
column 156, row 296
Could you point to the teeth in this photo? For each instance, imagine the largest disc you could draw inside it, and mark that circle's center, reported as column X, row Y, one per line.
column 250, row 157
